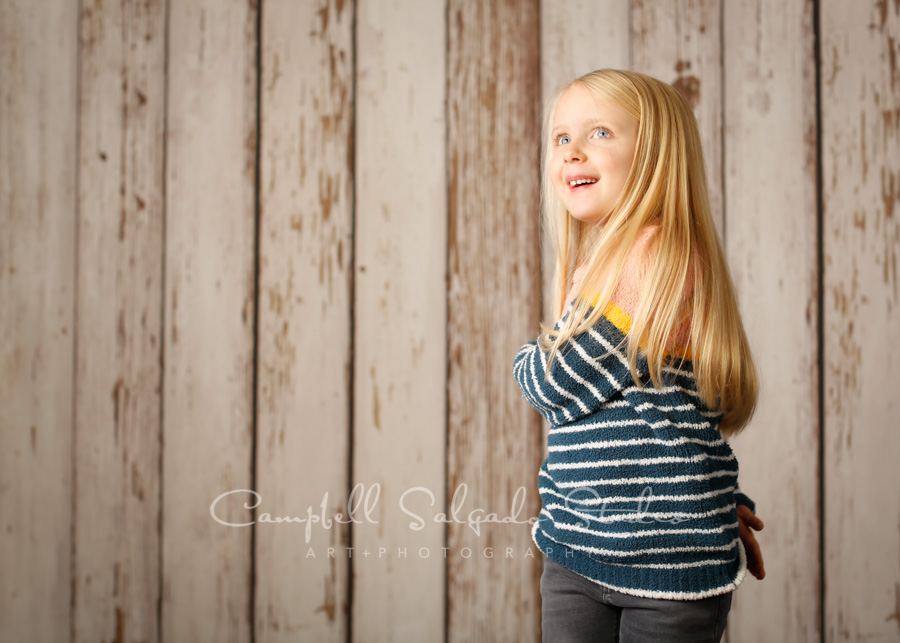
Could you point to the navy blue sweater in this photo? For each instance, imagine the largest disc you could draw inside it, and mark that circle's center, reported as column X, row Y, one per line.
column 639, row 489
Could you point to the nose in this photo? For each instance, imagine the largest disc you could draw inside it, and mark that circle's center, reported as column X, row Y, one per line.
column 573, row 153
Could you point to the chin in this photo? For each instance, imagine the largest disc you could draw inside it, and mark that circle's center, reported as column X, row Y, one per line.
column 588, row 217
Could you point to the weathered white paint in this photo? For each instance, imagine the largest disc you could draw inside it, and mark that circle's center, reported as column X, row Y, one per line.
column 495, row 440
column 38, row 125
column 580, row 36
column 305, row 303
column 119, row 373
column 770, row 229
column 400, row 313
column 860, row 69
column 209, row 311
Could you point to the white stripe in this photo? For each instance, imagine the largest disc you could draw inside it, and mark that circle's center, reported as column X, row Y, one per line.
column 680, row 425
column 575, row 376
column 596, row 425
column 658, row 516
column 521, row 358
column 562, row 408
column 520, row 371
column 517, row 369
column 590, row 532
column 595, row 362
column 653, row 550
column 548, row 405
column 638, row 461
column 527, row 369
column 624, row 535
column 700, row 563
column 680, row 407
column 610, row 349
column 636, row 499
column 678, row 371
column 642, row 480
column 525, row 349
column 659, row 391
column 611, row 444
column 639, row 408
column 561, row 390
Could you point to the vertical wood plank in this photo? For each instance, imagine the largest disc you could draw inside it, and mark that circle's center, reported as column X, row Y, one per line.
column 679, row 43
column 495, row 440
column 400, row 311
column 118, row 372
column 770, row 207
column 304, row 318
column 579, row 36
column 209, row 311
column 38, row 120
column 861, row 236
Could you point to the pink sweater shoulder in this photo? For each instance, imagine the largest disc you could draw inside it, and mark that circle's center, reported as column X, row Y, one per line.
column 627, row 293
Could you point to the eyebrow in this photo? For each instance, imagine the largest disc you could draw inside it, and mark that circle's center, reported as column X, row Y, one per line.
column 558, row 129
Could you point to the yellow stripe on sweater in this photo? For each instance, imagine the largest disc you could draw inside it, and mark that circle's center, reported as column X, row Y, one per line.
column 622, row 320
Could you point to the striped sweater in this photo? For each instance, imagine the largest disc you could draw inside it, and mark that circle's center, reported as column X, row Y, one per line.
column 638, row 487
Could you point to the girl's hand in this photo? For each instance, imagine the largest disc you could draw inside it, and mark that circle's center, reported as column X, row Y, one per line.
column 748, row 522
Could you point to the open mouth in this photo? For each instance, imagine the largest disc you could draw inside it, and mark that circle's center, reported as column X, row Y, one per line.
column 574, row 183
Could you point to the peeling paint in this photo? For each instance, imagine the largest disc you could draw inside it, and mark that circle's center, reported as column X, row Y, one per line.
column 376, row 402
column 689, row 87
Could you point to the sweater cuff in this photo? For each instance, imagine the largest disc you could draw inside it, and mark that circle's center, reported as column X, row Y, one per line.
column 742, row 499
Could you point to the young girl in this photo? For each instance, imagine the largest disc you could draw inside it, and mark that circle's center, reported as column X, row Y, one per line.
column 644, row 374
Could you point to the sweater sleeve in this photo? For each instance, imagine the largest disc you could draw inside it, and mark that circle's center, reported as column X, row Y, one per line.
column 591, row 368
column 586, row 374
column 741, row 498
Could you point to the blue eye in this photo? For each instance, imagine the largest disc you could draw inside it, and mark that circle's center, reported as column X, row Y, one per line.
column 563, row 139
column 602, row 133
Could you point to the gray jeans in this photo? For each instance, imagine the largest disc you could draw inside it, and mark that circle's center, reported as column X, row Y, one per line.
column 575, row 608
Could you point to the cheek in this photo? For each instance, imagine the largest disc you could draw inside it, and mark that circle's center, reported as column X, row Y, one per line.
column 624, row 165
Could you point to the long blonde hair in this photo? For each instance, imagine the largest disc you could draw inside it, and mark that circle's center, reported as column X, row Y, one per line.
column 686, row 272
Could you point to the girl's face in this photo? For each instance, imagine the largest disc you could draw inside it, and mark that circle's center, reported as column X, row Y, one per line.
column 593, row 142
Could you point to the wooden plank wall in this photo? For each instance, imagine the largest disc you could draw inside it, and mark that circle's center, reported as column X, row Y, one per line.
column 400, row 327
column 304, row 337
column 117, row 477
column 209, row 319
column 289, row 249
column 38, row 205
column 860, row 136
column 493, row 302
column 770, row 229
